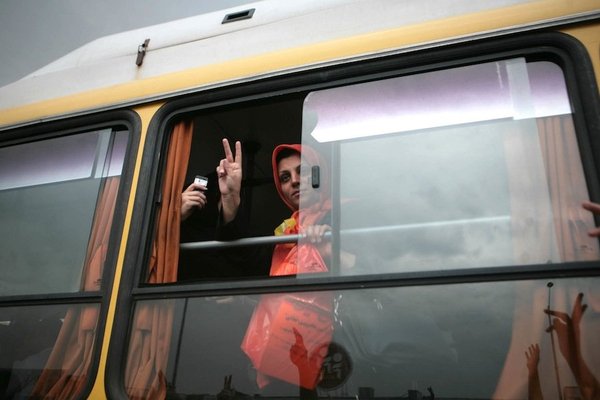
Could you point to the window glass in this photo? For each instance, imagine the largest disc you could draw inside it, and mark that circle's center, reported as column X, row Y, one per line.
column 375, row 343
column 49, row 190
column 28, row 336
column 466, row 167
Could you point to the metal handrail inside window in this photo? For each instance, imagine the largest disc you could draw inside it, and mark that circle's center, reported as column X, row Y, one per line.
column 262, row 240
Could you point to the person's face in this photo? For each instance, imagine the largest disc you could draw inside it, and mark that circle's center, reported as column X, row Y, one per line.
column 294, row 180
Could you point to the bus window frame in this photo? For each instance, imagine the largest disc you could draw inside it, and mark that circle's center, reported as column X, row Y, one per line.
column 123, row 120
column 548, row 46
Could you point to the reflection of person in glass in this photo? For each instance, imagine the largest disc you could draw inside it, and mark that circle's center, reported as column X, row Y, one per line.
column 568, row 333
column 228, row 392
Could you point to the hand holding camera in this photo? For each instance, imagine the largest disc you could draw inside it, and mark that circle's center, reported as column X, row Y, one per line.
column 202, row 181
column 194, row 197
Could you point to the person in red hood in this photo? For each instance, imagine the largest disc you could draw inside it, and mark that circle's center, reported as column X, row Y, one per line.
column 291, row 164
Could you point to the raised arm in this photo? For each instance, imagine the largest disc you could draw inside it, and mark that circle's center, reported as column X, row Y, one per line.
column 229, row 173
column 533, row 378
column 568, row 333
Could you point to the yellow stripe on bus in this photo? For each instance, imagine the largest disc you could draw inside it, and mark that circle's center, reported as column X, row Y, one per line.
column 372, row 43
column 98, row 390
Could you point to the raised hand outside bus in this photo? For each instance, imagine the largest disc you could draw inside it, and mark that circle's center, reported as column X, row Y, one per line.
column 192, row 198
column 533, row 378
column 568, row 333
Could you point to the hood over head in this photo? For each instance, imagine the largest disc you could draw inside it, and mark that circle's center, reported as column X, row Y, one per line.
column 309, row 156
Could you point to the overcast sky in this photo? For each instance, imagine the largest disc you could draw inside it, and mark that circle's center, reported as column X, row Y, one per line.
column 34, row 33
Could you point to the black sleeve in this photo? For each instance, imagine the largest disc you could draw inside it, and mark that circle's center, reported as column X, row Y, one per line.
column 236, row 229
column 220, row 264
column 247, row 261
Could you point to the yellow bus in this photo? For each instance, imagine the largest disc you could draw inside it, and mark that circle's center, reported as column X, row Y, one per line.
column 440, row 248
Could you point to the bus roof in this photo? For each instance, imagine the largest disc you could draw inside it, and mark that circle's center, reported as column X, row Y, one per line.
column 256, row 29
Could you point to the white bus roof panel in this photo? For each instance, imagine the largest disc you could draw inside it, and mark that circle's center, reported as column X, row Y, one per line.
column 204, row 40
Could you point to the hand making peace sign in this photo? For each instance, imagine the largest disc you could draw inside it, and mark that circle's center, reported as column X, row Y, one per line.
column 229, row 173
column 229, row 170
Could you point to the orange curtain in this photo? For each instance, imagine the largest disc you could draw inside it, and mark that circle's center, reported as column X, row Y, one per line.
column 563, row 238
column 66, row 370
column 151, row 333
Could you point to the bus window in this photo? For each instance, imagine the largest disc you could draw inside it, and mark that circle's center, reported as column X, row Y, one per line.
column 29, row 335
column 464, row 341
column 57, row 201
column 48, row 196
column 467, row 167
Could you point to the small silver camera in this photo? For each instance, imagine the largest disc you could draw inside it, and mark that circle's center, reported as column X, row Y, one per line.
column 202, row 180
